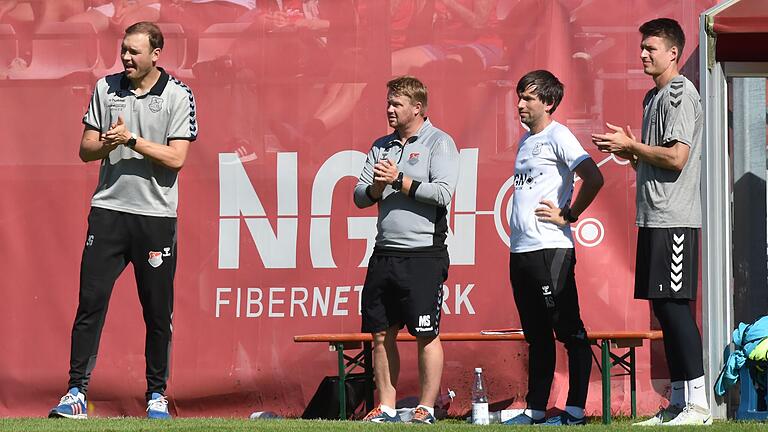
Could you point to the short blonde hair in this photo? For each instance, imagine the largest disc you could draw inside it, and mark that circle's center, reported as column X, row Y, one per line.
column 411, row 87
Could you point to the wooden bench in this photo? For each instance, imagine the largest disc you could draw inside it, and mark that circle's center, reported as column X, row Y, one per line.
column 608, row 341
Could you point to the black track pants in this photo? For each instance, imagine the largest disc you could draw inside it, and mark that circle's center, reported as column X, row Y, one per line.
column 544, row 287
column 114, row 239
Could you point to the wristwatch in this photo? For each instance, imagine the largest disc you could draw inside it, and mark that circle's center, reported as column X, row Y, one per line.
column 397, row 184
column 569, row 217
column 131, row 141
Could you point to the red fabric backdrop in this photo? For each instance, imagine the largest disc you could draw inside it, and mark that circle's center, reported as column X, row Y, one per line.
column 270, row 243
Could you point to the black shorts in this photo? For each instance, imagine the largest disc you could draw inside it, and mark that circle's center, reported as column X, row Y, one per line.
column 404, row 291
column 667, row 264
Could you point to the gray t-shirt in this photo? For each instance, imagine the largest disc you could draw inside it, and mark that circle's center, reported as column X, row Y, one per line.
column 668, row 198
column 128, row 181
column 417, row 222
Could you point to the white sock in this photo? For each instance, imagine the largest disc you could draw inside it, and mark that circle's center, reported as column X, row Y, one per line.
column 697, row 392
column 678, row 393
column 574, row 411
column 430, row 409
column 534, row 414
column 388, row 410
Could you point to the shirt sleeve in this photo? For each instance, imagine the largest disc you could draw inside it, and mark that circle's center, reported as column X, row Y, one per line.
column 93, row 116
column 680, row 119
column 443, row 175
column 568, row 149
column 360, row 195
column 183, row 116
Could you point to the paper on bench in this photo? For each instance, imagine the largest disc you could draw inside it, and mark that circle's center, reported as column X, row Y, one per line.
column 502, row 331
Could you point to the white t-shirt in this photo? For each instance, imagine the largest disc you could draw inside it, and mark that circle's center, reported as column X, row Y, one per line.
column 543, row 171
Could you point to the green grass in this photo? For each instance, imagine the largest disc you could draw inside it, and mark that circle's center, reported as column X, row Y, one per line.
column 218, row 424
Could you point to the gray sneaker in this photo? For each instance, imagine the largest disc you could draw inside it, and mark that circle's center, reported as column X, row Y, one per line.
column 664, row 416
column 692, row 415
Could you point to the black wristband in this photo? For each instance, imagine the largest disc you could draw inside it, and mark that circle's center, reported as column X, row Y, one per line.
column 569, row 217
column 412, row 190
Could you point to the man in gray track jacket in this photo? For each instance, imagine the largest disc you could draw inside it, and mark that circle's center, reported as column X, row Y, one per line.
column 411, row 174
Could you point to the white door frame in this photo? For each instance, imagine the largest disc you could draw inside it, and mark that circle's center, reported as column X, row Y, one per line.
column 717, row 258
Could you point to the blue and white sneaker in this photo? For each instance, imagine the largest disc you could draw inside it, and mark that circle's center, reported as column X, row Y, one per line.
column 157, row 407
column 522, row 419
column 377, row 415
column 71, row 406
column 565, row 419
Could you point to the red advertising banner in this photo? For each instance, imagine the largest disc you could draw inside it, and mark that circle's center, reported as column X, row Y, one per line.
column 290, row 96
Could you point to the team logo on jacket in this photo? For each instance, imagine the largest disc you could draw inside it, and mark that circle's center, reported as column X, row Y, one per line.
column 155, row 259
column 155, row 104
column 537, row 149
column 413, row 158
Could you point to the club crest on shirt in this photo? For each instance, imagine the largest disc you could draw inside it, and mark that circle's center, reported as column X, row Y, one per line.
column 155, row 104
column 413, row 158
column 537, row 149
column 155, row 259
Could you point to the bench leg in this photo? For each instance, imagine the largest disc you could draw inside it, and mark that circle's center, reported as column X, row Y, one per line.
column 342, row 382
column 633, row 380
column 606, row 370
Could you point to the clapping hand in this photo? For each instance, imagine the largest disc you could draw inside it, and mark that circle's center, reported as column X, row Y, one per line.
column 617, row 142
column 117, row 133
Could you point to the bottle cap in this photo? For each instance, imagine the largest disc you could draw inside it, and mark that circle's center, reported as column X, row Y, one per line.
column 478, row 370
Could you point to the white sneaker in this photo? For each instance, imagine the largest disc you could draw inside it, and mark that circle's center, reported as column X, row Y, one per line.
column 662, row 417
column 693, row 415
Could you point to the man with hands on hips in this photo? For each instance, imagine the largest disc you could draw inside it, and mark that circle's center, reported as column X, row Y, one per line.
column 542, row 259
column 139, row 125
column 411, row 174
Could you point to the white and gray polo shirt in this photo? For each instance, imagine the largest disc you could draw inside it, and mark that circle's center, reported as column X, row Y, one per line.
column 129, row 182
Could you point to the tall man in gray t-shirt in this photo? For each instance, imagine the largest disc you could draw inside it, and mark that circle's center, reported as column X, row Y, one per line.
column 139, row 126
column 668, row 164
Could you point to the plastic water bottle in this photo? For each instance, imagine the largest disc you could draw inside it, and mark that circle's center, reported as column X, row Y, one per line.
column 503, row 415
column 264, row 415
column 500, row 416
column 479, row 400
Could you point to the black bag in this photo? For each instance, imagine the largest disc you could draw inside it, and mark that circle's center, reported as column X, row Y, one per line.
column 325, row 402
